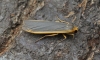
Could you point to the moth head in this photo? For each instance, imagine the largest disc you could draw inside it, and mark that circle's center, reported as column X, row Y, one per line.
column 75, row 29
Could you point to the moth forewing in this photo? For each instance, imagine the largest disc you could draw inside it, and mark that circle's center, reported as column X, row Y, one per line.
column 47, row 27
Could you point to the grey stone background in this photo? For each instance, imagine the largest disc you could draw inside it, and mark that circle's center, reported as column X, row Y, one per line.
column 84, row 46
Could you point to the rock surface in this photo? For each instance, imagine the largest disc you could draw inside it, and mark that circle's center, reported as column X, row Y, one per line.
column 84, row 46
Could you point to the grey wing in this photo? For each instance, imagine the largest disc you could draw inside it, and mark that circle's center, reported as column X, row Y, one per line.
column 46, row 26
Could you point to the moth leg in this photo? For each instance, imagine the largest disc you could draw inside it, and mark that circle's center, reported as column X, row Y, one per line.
column 71, row 35
column 45, row 36
column 59, row 20
column 63, row 38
